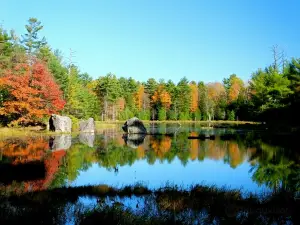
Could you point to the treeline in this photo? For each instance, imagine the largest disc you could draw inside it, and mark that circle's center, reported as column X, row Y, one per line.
column 35, row 82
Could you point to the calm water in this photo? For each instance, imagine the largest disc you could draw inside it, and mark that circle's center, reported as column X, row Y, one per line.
column 234, row 158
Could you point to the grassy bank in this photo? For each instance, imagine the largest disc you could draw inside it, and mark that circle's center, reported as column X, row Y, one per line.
column 39, row 131
column 6, row 132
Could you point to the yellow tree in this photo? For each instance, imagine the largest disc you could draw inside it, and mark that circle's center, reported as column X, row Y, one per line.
column 237, row 85
column 138, row 97
column 194, row 97
column 216, row 96
column 161, row 97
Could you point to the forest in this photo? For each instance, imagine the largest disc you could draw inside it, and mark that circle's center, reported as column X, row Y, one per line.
column 37, row 81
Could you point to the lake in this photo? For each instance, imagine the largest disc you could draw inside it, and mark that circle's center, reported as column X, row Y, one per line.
column 177, row 174
column 231, row 158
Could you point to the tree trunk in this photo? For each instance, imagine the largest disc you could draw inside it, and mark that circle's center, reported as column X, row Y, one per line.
column 113, row 112
column 175, row 111
column 105, row 109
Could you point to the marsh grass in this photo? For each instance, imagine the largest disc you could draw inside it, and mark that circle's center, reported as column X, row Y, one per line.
column 169, row 204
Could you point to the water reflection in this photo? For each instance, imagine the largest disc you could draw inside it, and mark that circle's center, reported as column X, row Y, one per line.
column 60, row 142
column 236, row 159
column 87, row 139
column 134, row 140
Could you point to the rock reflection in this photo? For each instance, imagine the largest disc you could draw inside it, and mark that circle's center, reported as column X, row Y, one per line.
column 134, row 140
column 87, row 139
column 60, row 142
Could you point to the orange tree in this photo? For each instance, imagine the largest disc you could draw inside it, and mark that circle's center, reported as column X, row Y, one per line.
column 33, row 94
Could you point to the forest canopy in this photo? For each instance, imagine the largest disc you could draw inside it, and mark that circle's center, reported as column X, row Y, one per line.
column 35, row 82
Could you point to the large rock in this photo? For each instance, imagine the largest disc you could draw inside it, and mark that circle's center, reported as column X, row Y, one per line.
column 87, row 139
column 134, row 126
column 60, row 142
column 87, row 126
column 60, row 123
column 134, row 140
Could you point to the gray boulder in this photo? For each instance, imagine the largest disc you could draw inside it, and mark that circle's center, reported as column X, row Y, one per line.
column 87, row 139
column 87, row 126
column 60, row 142
column 60, row 123
column 134, row 126
column 134, row 140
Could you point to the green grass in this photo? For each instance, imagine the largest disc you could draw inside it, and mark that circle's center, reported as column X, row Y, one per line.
column 22, row 132
column 8, row 132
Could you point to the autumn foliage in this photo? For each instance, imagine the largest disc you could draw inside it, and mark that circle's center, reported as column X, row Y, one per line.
column 235, row 89
column 33, row 150
column 161, row 96
column 138, row 97
column 24, row 152
column 33, row 93
column 216, row 91
column 194, row 97
column 162, row 146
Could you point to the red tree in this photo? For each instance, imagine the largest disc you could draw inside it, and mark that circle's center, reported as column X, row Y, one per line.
column 33, row 93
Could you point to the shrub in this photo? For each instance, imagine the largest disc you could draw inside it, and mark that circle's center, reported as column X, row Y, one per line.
column 197, row 115
column 126, row 114
column 162, row 114
column 75, row 123
column 172, row 115
column 144, row 115
column 231, row 115
column 184, row 116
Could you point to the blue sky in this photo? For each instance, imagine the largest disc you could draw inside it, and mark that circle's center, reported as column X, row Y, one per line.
column 202, row 40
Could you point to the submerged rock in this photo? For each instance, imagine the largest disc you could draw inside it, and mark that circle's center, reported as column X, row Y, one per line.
column 87, row 139
column 60, row 123
column 134, row 126
column 60, row 142
column 87, row 126
column 134, row 140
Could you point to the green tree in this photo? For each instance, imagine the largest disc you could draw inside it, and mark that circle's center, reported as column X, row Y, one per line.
column 30, row 40
column 269, row 89
column 174, row 92
column 6, row 50
column 128, row 89
column 108, row 90
column 185, row 97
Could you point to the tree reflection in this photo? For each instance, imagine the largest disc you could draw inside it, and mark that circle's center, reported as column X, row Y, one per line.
column 24, row 151
column 271, row 165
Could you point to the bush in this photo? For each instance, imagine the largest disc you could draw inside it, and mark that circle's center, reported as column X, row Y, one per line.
column 162, row 114
column 126, row 114
column 172, row 115
column 184, row 116
column 231, row 115
column 220, row 114
column 144, row 115
column 75, row 123
column 205, row 117
column 196, row 115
